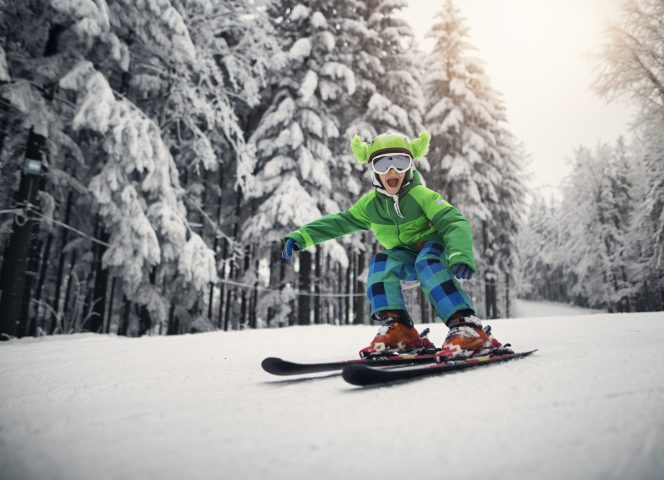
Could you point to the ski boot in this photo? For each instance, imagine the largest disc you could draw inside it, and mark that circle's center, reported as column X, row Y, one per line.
column 396, row 335
column 467, row 338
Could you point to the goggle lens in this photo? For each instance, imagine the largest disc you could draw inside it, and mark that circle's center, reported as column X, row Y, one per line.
column 400, row 163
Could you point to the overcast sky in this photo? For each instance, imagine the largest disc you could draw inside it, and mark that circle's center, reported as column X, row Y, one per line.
column 535, row 53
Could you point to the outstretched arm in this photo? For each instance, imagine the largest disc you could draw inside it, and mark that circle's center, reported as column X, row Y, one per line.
column 332, row 226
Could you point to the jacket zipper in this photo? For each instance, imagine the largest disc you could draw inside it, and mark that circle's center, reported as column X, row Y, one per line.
column 387, row 207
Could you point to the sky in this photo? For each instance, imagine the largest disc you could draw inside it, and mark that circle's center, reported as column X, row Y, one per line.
column 536, row 54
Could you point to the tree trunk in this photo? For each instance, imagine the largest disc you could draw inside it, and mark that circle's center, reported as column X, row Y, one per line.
column 244, row 310
column 13, row 277
column 359, row 287
column 145, row 319
column 229, row 297
column 215, row 249
column 13, row 299
column 253, row 303
column 233, row 274
column 65, row 304
column 173, row 322
column 317, row 281
column 304, row 301
column 507, row 295
column 276, row 278
column 109, row 316
column 43, row 271
column 282, row 279
column 349, row 285
column 123, row 326
column 96, row 323
column 222, row 287
column 61, row 261
column 28, row 323
column 89, row 292
column 341, row 300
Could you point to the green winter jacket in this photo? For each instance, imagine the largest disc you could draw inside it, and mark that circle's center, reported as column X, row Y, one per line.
column 407, row 220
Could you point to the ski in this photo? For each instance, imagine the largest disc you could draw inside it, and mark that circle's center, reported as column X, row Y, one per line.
column 277, row 366
column 365, row 374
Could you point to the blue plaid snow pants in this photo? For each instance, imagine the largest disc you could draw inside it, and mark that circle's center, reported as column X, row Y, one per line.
column 388, row 268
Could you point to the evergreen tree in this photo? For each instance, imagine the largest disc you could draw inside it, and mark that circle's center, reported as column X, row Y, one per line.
column 539, row 242
column 475, row 161
column 461, row 114
column 293, row 159
column 387, row 66
column 631, row 66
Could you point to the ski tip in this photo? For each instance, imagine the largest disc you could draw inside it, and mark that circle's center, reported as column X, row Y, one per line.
column 359, row 375
column 272, row 365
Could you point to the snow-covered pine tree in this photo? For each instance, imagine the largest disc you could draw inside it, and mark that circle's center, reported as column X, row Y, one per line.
column 539, row 275
column 582, row 250
column 293, row 158
column 614, row 217
column 204, row 108
column 36, row 46
column 139, row 197
column 461, row 115
column 631, row 65
column 135, row 182
column 648, row 270
column 387, row 67
column 508, row 215
column 627, row 174
column 590, row 248
column 475, row 161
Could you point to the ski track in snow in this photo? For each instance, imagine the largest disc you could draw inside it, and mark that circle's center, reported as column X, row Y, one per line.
column 587, row 405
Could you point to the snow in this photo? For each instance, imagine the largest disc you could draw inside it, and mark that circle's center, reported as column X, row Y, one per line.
column 197, row 263
column 4, row 73
column 587, row 405
column 318, row 20
column 309, row 85
column 529, row 308
column 299, row 12
column 300, row 49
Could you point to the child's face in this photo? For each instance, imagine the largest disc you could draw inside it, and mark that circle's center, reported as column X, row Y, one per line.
column 392, row 180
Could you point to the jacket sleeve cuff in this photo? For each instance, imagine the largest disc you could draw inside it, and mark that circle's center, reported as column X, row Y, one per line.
column 456, row 258
column 300, row 239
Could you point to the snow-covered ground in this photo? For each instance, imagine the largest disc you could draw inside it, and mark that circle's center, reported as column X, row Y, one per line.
column 528, row 308
column 588, row 405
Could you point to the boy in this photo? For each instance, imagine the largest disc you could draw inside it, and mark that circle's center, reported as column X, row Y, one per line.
column 424, row 237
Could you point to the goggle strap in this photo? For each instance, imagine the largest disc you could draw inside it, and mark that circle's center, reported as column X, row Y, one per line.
column 390, row 155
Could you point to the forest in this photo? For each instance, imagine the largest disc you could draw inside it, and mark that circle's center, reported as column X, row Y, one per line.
column 601, row 244
column 154, row 153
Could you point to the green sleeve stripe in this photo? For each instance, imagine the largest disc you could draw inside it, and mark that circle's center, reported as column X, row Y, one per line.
column 308, row 241
column 455, row 254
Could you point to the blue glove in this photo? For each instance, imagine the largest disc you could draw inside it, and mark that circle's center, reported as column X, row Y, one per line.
column 289, row 248
column 462, row 271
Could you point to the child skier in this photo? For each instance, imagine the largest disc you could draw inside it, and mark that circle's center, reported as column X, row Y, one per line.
column 424, row 237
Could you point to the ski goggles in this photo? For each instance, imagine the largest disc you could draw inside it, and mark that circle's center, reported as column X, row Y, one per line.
column 399, row 162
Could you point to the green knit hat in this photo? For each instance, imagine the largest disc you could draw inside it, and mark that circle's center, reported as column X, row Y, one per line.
column 390, row 143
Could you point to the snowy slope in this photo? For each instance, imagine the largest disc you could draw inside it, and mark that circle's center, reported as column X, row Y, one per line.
column 588, row 405
column 529, row 308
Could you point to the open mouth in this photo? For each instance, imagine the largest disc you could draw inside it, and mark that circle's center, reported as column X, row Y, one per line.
column 393, row 182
